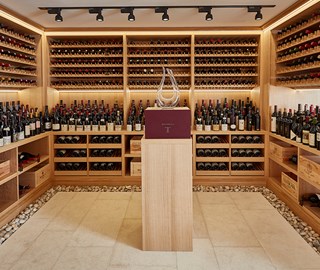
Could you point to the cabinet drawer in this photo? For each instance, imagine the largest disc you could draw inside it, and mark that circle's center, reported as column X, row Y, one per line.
column 310, row 168
column 289, row 183
column 36, row 176
column 282, row 151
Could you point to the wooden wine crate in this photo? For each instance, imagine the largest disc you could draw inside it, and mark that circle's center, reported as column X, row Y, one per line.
column 4, row 167
column 282, row 151
column 135, row 167
column 35, row 176
column 289, row 184
column 309, row 167
column 135, row 145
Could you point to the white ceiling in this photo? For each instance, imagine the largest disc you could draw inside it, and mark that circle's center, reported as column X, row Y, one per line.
column 230, row 17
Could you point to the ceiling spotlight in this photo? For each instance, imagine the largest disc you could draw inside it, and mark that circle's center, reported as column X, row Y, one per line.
column 131, row 17
column 209, row 16
column 164, row 10
column 97, row 11
column 256, row 9
column 57, row 11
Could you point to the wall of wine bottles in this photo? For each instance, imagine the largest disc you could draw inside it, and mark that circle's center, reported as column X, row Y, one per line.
column 298, row 51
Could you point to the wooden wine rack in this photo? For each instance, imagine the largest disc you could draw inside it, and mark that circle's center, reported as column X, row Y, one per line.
column 297, row 50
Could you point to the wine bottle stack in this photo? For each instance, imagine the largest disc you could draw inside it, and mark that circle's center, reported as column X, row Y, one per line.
column 71, row 153
column 211, row 152
column 105, row 153
column 298, row 52
column 80, row 116
column 301, row 125
column 113, row 139
column 71, row 166
column 17, row 58
column 232, row 116
column 212, row 166
column 246, row 152
column 211, row 139
column 25, row 157
column 246, row 139
column 244, row 166
column 147, row 57
column 226, row 62
column 105, row 166
column 70, row 139
column 18, row 121
column 99, row 60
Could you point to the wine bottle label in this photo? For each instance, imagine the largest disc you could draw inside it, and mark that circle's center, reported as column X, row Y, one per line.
column 110, row 126
column 79, row 128
column 20, row 136
column 215, row 127
column 64, row 127
column 47, row 125
column 137, row 127
column 56, row 126
column 118, row 127
column 27, row 130
column 72, row 128
column 1, row 142
column 129, row 127
column 273, row 124
column 298, row 139
column 103, row 127
column 312, row 139
column 224, row 127
column 305, row 136
column 37, row 124
column 95, row 128
column 318, row 136
column 87, row 127
column 6, row 140
column 233, row 127
column 241, row 124
column 199, row 127
column 292, row 135
column 207, row 127
column 32, row 126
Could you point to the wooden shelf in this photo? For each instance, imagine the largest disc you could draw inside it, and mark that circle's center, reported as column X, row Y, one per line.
column 129, row 155
column 104, row 159
column 301, row 84
column 105, row 173
column 212, row 159
column 247, row 145
column 70, row 146
column 313, row 211
column 253, row 172
column 2, row 31
column 86, row 46
column 298, row 55
column 85, row 55
column 296, row 30
column 154, row 75
column 33, row 164
column 5, row 204
column 225, row 45
column 91, row 87
column 236, row 86
column 7, row 177
column 17, row 86
column 104, row 146
column 17, row 60
column 298, row 69
column 2, row 44
column 212, row 173
column 85, row 65
column 26, row 191
column 288, row 166
column 212, row 145
column 17, row 72
column 228, row 75
column 70, row 172
column 229, row 132
column 158, row 45
column 70, row 159
column 247, row 159
column 96, row 75
column 227, row 55
column 158, row 65
column 297, row 42
column 158, row 55
column 227, row 65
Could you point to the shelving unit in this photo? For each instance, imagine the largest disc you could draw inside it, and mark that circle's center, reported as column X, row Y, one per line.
column 297, row 45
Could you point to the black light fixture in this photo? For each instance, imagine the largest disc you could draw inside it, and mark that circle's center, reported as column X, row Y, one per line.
column 57, row 11
column 209, row 16
column 256, row 9
column 97, row 11
column 131, row 17
column 164, row 10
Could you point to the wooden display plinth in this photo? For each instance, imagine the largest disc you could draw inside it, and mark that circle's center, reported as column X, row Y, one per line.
column 167, row 220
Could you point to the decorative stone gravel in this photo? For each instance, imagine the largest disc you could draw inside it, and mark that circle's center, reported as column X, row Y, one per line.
column 306, row 232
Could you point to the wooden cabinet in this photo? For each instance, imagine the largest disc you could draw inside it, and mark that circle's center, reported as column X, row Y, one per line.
column 297, row 50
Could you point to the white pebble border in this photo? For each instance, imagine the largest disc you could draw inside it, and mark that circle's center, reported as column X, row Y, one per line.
column 305, row 231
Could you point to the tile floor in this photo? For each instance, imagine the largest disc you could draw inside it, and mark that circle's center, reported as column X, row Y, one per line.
column 89, row 230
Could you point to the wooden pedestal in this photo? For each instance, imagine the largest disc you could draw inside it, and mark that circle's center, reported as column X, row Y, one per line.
column 167, row 220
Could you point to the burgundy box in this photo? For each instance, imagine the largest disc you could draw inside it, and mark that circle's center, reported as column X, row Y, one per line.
column 172, row 123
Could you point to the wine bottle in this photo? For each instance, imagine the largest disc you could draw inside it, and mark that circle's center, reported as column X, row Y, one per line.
column 64, row 122
column 72, row 123
column 222, row 153
column 249, row 139
column 257, row 120
column 207, row 139
column 234, row 166
column 234, row 139
column 1, row 137
column 26, row 126
column 306, row 131
column 200, row 166
column 200, row 153
column 294, row 159
column 242, row 139
column 242, row 152
column 207, row 166
column 62, row 166
column 241, row 122
column 207, row 152
column 200, row 139
column 47, row 120
column 222, row 166
column 56, row 121
column 75, row 153
column 314, row 199
column 215, row 139
column 256, row 152
column 249, row 166
column 75, row 139
column 61, row 152
column 95, row 153
column 313, row 133
column 83, row 153
column 20, row 129
column 6, row 132
column 32, row 125
column 234, row 153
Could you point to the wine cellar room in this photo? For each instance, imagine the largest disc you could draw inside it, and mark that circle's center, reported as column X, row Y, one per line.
column 79, row 83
